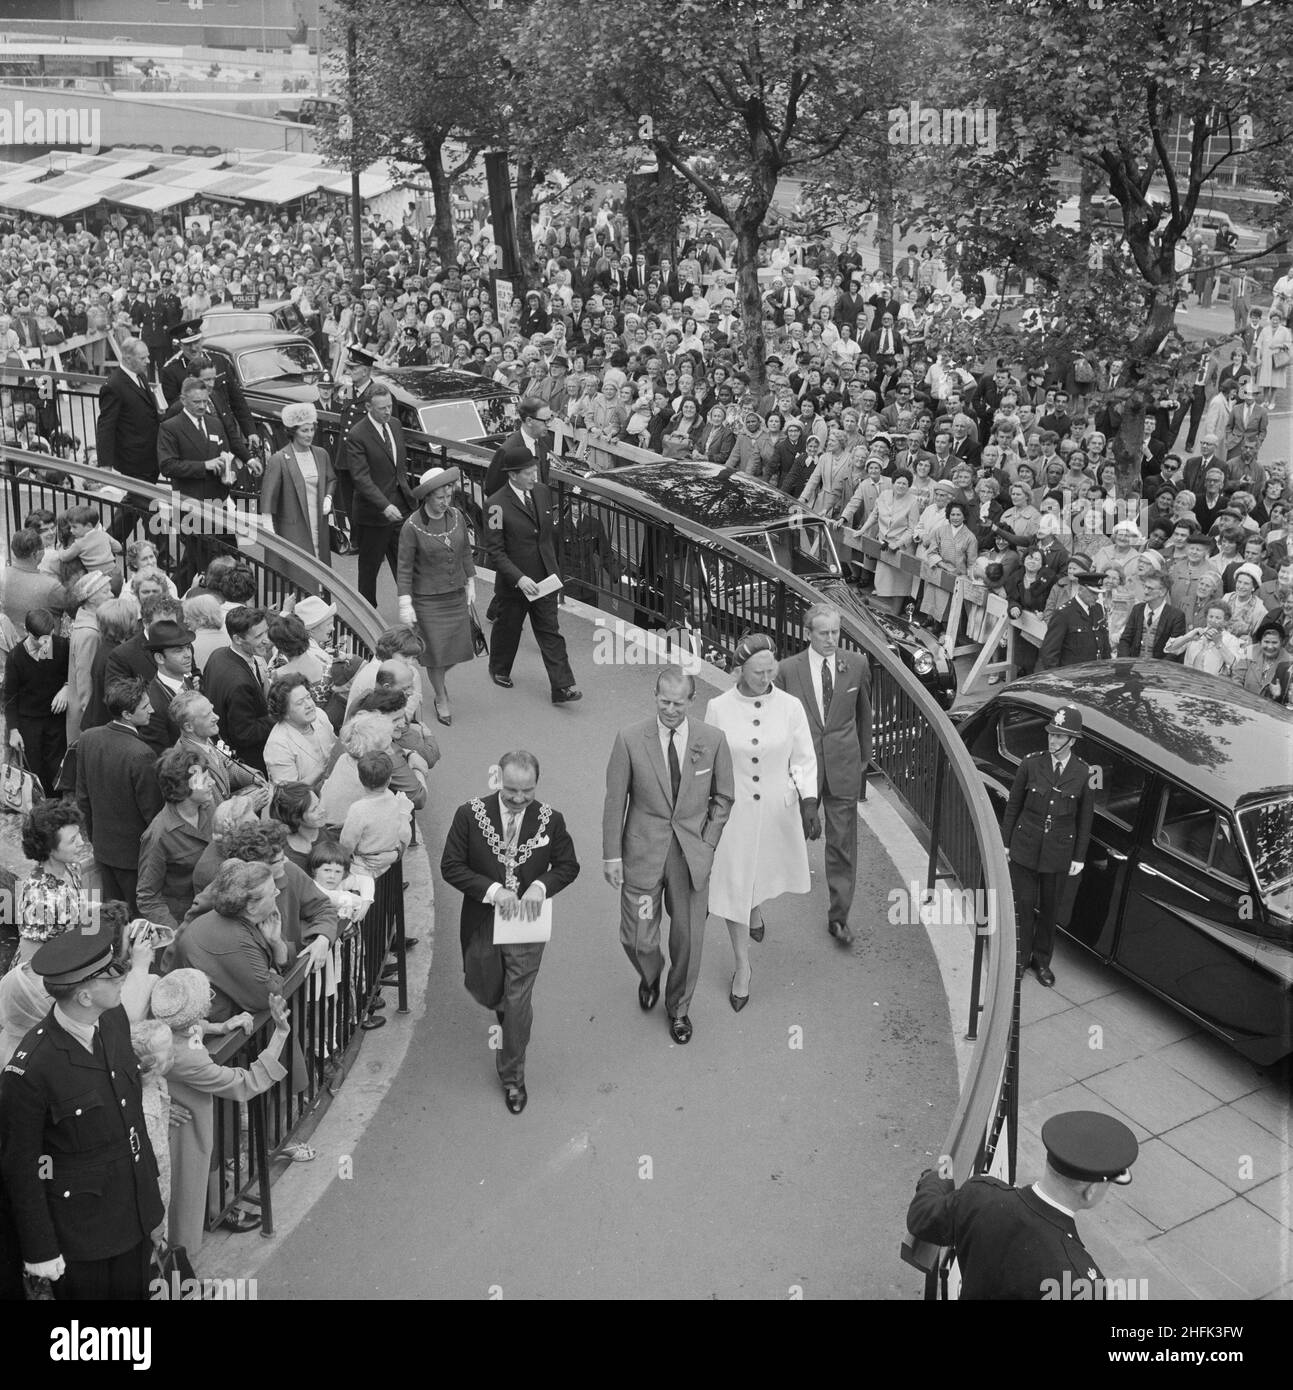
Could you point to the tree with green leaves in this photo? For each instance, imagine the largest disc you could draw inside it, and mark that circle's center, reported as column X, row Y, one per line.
column 757, row 89
column 1153, row 102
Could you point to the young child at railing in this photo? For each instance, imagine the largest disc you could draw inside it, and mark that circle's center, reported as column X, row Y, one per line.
column 352, row 897
column 377, row 828
column 89, row 542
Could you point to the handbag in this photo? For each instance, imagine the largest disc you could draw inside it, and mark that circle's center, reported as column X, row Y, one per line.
column 174, row 1278
column 479, row 643
column 20, row 788
column 1280, row 358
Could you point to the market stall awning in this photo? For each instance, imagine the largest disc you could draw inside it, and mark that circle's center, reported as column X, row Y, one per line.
column 21, row 197
column 23, row 173
column 150, row 197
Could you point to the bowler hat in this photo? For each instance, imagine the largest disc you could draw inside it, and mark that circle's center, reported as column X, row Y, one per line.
column 166, row 633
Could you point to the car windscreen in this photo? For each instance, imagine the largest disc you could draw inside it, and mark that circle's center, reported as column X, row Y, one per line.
column 272, row 363
column 458, row 420
column 804, row 549
column 1268, row 832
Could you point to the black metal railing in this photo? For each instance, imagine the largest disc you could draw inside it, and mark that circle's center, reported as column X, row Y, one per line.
column 328, row 1009
column 650, row 568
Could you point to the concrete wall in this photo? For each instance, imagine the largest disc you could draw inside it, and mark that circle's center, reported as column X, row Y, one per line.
column 127, row 121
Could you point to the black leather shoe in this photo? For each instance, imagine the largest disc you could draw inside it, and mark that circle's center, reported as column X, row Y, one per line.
column 566, row 696
column 737, row 1001
column 240, row 1222
column 680, row 1029
column 842, row 933
column 1045, row 975
column 504, row 681
column 410, row 941
column 756, row 933
column 647, row 995
column 515, row 1097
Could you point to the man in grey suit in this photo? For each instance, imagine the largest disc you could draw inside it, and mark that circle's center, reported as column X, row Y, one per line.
column 669, row 791
column 834, row 687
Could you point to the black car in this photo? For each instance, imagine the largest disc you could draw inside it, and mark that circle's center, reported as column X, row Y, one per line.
column 274, row 369
column 449, row 403
column 1188, row 884
column 703, row 589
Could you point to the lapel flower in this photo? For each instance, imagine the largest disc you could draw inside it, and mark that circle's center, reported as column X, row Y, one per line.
column 695, row 755
column 841, row 665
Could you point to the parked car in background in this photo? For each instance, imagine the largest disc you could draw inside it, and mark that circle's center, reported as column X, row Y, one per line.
column 1188, row 884
column 270, row 316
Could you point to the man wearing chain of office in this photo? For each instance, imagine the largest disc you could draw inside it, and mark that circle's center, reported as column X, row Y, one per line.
column 511, row 852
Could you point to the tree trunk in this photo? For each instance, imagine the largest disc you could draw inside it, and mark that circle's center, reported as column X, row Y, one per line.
column 442, row 192
column 884, row 212
column 527, row 176
column 755, row 345
column 1129, row 443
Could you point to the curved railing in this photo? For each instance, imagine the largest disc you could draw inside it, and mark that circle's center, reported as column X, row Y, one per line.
column 702, row 589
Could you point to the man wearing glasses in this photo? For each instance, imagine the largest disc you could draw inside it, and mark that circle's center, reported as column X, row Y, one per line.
column 530, row 435
column 80, row 1173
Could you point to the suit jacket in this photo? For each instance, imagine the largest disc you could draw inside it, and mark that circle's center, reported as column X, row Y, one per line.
column 843, row 743
column 1073, row 635
column 871, row 341
column 639, row 816
column 183, row 451
column 496, row 475
column 130, row 659
column 1171, row 624
column 1253, row 432
column 284, row 498
column 78, row 1169
column 380, row 481
column 116, row 791
column 1048, row 819
column 472, row 862
column 126, row 430
column 519, row 546
column 245, row 721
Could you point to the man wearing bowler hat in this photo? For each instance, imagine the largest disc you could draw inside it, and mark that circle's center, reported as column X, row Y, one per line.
column 170, row 644
column 1022, row 1243
column 79, row 1172
column 1078, row 630
column 1047, row 829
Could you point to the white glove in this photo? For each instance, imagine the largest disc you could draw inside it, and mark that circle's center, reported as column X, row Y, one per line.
column 46, row 1269
column 471, row 591
column 327, row 506
column 407, row 615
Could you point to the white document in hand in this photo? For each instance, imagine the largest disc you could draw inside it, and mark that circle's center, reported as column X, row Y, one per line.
column 550, row 585
column 516, row 931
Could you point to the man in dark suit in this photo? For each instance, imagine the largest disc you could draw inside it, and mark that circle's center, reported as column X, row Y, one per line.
column 234, row 681
column 194, row 453
column 149, row 317
column 669, row 792
column 116, row 788
column 1077, row 631
column 507, row 852
column 170, row 644
column 383, row 497
column 1047, row 830
column 884, row 341
column 131, row 659
column 1152, row 624
column 1021, row 1243
column 79, row 1170
column 530, row 437
column 126, row 433
column 834, row 687
column 239, row 428
column 521, row 547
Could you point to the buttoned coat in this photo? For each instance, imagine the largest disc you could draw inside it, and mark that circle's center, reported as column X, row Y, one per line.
column 1047, row 825
column 843, row 742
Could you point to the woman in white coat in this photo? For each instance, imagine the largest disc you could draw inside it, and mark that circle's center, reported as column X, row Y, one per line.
column 762, row 853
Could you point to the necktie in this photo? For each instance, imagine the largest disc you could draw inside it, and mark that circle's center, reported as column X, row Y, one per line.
column 828, row 689
column 1147, row 641
column 1059, row 766
column 675, row 768
column 513, row 823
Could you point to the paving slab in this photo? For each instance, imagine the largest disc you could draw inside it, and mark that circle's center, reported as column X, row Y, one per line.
column 1168, row 1189
column 1209, row 1063
column 1270, row 1108
column 1080, row 977
column 1077, row 1096
column 1158, row 1096
column 1036, row 1003
column 1227, row 1144
column 1141, row 1019
column 1233, row 1251
column 1065, row 1041
column 1275, row 1198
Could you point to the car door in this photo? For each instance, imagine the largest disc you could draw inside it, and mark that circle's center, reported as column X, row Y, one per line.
column 1187, row 919
column 1118, row 785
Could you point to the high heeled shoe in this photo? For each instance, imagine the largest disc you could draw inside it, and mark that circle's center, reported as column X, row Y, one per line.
column 756, row 933
column 737, row 1001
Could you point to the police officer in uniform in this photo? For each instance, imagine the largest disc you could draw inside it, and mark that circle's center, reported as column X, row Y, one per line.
column 410, row 352
column 172, row 308
column 189, row 337
column 78, row 1168
column 1047, row 828
column 354, row 396
column 1077, row 631
column 1018, row 1242
column 149, row 317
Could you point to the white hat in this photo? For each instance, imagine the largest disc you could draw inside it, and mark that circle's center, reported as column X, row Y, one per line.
column 312, row 610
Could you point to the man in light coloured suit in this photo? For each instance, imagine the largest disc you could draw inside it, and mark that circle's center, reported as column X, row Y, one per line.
column 669, row 791
column 834, row 687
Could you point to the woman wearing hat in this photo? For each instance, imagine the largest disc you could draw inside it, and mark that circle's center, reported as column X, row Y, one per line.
column 762, row 853
column 1266, row 671
column 892, row 522
column 89, row 594
column 436, row 580
column 296, row 491
column 182, row 1000
column 950, row 548
column 1245, row 610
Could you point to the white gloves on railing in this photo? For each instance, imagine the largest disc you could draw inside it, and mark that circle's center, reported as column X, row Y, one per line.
column 407, row 615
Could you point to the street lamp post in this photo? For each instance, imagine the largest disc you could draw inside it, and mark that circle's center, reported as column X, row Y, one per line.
column 352, row 81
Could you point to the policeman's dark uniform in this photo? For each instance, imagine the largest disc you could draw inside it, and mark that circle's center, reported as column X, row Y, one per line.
column 78, row 1168
column 1047, row 825
column 1010, row 1241
column 189, row 335
column 352, row 411
column 149, row 318
column 1075, row 633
